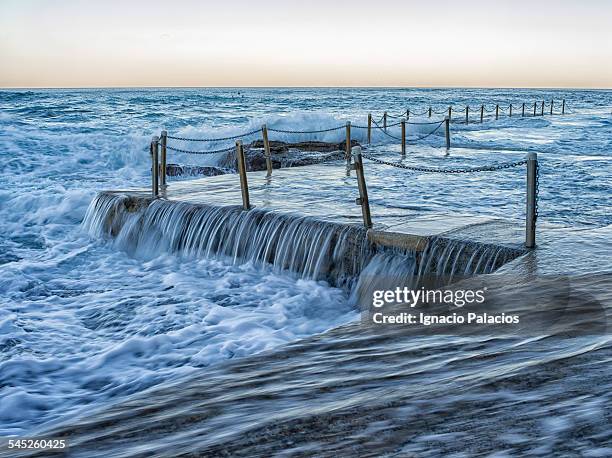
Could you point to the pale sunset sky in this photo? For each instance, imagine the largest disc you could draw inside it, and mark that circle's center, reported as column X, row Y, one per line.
column 469, row 43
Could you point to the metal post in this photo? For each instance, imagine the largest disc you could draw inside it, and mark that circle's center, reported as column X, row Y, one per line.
column 430, row 112
column 497, row 111
column 481, row 113
column 532, row 170
column 510, row 110
column 363, row 190
column 523, row 112
column 535, row 107
column 155, row 166
column 447, row 131
column 369, row 128
column 163, row 166
column 244, row 185
column 467, row 116
column 542, row 107
column 403, row 138
column 563, row 107
column 266, row 143
column 348, row 143
column 385, row 121
column 551, row 107
column 450, row 112
column 408, row 113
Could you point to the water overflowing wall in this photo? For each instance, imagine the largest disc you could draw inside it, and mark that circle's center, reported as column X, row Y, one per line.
column 442, row 262
column 311, row 248
column 445, row 257
column 339, row 254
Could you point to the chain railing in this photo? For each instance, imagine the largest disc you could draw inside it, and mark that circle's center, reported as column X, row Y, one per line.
column 159, row 161
column 331, row 129
column 200, row 153
column 438, row 124
column 532, row 191
column 542, row 109
column 165, row 147
column 220, row 139
column 537, row 107
column 489, row 168
column 405, row 116
column 531, row 162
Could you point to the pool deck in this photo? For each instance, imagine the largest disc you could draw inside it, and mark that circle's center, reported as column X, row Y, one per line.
column 290, row 190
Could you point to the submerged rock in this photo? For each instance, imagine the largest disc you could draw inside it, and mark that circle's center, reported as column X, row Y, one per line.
column 278, row 147
column 282, row 154
column 176, row 170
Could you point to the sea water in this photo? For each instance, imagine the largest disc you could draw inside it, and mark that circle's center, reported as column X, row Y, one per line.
column 84, row 323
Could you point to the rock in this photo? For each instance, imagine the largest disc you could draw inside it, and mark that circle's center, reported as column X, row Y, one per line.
column 277, row 147
column 176, row 170
column 283, row 155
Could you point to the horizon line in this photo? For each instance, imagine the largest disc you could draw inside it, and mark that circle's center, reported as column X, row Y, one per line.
column 553, row 88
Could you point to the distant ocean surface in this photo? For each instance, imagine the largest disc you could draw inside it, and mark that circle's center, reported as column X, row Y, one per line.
column 83, row 324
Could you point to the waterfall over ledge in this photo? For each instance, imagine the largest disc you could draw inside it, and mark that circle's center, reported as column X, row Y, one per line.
column 343, row 255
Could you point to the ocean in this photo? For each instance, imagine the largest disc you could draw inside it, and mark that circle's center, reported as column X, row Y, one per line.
column 86, row 325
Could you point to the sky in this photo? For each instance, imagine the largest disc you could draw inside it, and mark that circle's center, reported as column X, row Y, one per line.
column 405, row 43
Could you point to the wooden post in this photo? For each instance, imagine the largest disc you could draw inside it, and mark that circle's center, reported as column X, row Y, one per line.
column 467, row 115
column 369, row 128
column 523, row 112
column 408, row 114
column 244, row 185
column 481, row 112
column 532, row 164
column 542, row 107
column 363, row 190
column 268, row 154
column 510, row 110
column 497, row 111
column 403, row 138
column 447, row 131
column 450, row 112
column 563, row 107
column 551, row 107
column 347, row 153
column 430, row 112
column 535, row 107
column 155, row 166
column 163, row 166
column 385, row 121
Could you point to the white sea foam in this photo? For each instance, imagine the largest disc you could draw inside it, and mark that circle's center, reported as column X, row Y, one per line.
column 93, row 340
column 82, row 322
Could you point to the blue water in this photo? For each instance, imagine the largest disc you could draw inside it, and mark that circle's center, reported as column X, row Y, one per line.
column 83, row 324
